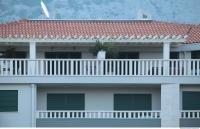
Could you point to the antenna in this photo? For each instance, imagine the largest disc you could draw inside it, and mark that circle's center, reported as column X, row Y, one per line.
column 143, row 15
column 44, row 9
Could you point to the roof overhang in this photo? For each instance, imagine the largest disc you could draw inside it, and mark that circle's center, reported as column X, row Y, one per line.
column 90, row 39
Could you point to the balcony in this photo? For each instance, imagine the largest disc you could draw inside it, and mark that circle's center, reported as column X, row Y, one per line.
column 94, row 67
column 188, row 118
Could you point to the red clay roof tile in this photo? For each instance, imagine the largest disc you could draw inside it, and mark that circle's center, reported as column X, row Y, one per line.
column 28, row 28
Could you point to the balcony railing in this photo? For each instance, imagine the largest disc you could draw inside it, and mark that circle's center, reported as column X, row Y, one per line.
column 94, row 67
column 190, row 114
column 98, row 114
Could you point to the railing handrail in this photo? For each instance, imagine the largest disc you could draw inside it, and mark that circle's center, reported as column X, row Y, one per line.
column 41, row 59
column 97, row 111
column 190, row 110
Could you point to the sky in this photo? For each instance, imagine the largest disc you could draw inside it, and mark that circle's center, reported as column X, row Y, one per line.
column 181, row 11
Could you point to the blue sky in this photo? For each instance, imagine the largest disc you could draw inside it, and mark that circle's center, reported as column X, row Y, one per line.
column 182, row 11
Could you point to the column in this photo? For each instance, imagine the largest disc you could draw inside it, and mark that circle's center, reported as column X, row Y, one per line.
column 187, row 55
column 33, row 104
column 166, row 57
column 170, row 105
column 32, row 50
column 32, row 56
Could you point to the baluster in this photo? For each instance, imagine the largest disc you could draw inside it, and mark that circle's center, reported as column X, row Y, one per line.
column 197, row 69
column 50, row 62
column 150, row 70
column 139, row 70
column 11, row 67
column 84, row 67
column 110, row 67
column 16, row 62
column 97, row 70
column 135, row 67
column 106, row 67
column 6, row 67
column 77, row 67
column 154, row 67
column 58, row 67
column 125, row 67
column 176, row 67
column 80, row 67
column 180, row 67
column 72, row 67
column 160, row 67
column 89, row 67
column 130, row 67
column 141, row 67
column 102, row 67
column 93, row 67
column 146, row 62
column 66, row 67
column 193, row 68
column 185, row 67
column 1, row 61
column 118, row 67
column 63, row 67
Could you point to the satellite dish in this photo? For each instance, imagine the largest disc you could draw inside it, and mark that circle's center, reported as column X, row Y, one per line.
column 44, row 9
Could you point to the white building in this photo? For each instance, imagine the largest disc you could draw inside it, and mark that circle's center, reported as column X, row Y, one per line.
column 48, row 76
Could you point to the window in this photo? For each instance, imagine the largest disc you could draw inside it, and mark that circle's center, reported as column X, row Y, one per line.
column 65, row 101
column 63, row 55
column 15, row 54
column 174, row 55
column 132, row 101
column 195, row 54
column 8, row 100
column 129, row 55
column 190, row 100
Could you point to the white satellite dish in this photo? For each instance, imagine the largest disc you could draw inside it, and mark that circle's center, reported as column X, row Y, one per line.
column 44, row 9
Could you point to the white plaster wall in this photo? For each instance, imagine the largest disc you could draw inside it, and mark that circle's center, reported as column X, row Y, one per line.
column 23, row 117
column 97, row 98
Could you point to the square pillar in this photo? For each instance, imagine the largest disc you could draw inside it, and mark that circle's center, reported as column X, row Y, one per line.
column 32, row 50
column 166, row 57
column 170, row 105
column 32, row 57
column 33, row 104
column 166, row 50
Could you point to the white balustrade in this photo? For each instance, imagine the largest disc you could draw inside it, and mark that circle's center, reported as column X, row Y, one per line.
column 99, row 114
column 190, row 114
column 95, row 67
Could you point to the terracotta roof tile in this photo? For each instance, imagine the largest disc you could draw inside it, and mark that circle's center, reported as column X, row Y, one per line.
column 41, row 28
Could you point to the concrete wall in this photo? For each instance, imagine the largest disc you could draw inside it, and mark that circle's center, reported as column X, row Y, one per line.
column 190, row 123
column 98, row 123
column 97, row 98
column 23, row 117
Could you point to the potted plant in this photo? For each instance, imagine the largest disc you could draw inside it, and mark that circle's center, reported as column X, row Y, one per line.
column 104, row 50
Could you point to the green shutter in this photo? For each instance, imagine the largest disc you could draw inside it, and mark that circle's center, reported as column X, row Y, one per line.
column 191, row 100
column 65, row 101
column 8, row 100
column 132, row 101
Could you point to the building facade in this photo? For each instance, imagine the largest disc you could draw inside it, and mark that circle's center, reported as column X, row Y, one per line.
column 50, row 78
